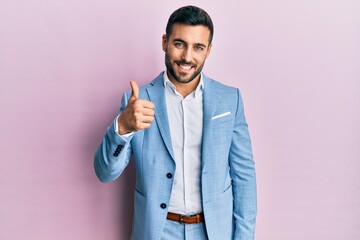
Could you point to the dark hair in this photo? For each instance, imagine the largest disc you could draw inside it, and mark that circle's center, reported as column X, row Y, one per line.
column 190, row 15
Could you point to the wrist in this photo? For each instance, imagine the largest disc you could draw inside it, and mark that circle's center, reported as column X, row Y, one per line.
column 120, row 127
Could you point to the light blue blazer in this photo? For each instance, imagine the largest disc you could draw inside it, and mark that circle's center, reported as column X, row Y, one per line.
column 228, row 184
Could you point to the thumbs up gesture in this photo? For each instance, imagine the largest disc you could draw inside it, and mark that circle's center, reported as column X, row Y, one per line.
column 137, row 115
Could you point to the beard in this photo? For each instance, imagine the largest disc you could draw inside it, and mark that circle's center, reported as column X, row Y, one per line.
column 181, row 77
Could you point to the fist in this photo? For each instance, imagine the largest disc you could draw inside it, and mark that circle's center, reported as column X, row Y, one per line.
column 137, row 115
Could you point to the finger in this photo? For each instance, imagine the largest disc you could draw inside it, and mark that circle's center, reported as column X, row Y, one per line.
column 135, row 90
column 145, row 125
column 148, row 112
column 142, row 125
column 146, row 104
column 147, row 119
column 142, row 118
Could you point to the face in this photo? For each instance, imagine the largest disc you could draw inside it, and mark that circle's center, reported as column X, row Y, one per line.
column 186, row 50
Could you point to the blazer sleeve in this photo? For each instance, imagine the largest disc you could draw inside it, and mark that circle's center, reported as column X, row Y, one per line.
column 114, row 152
column 242, row 172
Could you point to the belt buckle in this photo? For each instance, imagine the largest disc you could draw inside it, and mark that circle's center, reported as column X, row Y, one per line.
column 181, row 220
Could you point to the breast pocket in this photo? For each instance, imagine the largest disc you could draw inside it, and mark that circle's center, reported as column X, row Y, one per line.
column 222, row 130
column 223, row 124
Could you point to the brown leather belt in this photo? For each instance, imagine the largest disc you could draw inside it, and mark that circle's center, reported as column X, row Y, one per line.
column 197, row 218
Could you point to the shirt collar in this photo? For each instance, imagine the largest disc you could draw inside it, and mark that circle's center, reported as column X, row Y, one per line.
column 168, row 83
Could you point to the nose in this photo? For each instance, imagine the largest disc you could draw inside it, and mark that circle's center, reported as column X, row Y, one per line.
column 186, row 55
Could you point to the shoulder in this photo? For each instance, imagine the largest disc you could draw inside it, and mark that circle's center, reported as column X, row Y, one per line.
column 218, row 87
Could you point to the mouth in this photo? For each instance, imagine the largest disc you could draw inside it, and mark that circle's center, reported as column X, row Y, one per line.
column 185, row 67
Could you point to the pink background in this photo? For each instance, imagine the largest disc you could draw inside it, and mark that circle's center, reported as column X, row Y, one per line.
column 63, row 68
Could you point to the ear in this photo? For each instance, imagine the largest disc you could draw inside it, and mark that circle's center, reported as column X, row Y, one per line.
column 209, row 50
column 164, row 42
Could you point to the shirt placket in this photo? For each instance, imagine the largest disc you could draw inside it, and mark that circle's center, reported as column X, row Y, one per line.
column 185, row 172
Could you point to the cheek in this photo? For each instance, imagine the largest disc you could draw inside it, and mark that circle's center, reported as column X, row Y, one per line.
column 200, row 58
column 173, row 55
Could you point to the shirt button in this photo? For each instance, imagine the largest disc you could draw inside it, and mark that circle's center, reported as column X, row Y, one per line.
column 163, row 205
column 169, row 175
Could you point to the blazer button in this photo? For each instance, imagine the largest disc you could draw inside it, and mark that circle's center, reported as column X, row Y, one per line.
column 163, row 205
column 169, row 175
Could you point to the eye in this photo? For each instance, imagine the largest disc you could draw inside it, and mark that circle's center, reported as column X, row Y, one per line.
column 199, row 48
column 179, row 44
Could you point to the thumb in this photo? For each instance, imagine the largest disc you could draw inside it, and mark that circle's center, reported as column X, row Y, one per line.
column 135, row 90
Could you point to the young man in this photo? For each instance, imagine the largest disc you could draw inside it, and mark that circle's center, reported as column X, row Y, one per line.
column 195, row 176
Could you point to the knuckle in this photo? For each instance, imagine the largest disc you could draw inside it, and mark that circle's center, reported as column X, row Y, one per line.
column 136, row 107
column 138, row 125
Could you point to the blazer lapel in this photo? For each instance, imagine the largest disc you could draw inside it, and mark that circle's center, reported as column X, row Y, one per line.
column 209, row 108
column 156, row 94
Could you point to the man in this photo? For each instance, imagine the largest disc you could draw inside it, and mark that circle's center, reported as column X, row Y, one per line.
column 195, row 176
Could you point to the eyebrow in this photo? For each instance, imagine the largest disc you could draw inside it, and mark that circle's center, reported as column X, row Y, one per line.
column 197, row 44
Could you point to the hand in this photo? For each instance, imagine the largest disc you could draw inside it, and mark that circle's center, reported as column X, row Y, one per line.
column 137, row 115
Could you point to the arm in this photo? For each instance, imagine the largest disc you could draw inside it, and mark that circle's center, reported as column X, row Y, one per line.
column 243, row 176
column 114, row 152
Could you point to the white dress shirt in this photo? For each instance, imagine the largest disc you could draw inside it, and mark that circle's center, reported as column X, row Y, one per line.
column 186, row 126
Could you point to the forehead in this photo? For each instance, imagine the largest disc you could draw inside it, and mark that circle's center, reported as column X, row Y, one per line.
column 190, row 34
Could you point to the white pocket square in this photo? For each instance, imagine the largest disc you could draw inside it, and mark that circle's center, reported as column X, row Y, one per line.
column 220, row 115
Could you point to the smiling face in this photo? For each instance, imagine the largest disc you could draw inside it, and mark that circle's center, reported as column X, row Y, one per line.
column 186, row 50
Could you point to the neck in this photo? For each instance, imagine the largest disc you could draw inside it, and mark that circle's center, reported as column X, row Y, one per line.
column 185, row 88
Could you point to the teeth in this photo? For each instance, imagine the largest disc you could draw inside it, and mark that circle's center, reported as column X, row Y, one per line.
column 185, row 67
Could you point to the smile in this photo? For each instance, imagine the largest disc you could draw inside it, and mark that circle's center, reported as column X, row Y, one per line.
column 185, row 67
